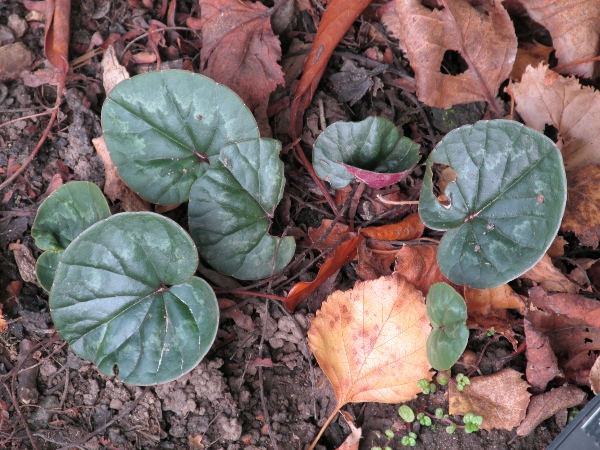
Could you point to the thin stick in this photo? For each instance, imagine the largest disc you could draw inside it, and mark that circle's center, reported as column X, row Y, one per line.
column 324, row 427
column 309, row 168
column 27, row 117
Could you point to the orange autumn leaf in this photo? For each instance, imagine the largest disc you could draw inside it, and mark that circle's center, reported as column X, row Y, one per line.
column 335, row 235
column 529, row 54
column 582, row 213
column 371, row 342
column 418, row 264
column 341, row 255
column 337, row 19
column 410, row 228
column 56, row 40
column 501, row 399
column 485, row 301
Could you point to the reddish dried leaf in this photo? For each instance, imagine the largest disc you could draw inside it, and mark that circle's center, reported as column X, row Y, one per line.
column 582, row 213
column 573, row 25
column 377, row 180
column 501, row 399
column 375, row 259
column 341, row 255
column 542, row 364
column 418, row 264
column 335, row 235
column 582, row 309
column 483, row 35
column 545, row 98
column 56, row 40
column 549, row 277
column 546, row 405
column 337, row 19
column 410, row 228
column 240, row 51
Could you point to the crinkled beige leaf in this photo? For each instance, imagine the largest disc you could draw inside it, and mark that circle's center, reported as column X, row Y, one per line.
column 545, row 97
column 594, row 376
column 549, row 277
column 370, row 341
column 582, row 213
column 484, row 35
column 353, row 439
column 546, row 405
column 573, row 25
column 501, row 399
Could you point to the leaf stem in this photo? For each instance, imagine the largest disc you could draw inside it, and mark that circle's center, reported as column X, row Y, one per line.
column 254, row 294
column 309, row 168
column 324, row 427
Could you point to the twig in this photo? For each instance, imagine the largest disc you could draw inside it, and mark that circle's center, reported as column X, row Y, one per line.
column 311, row 171
column 123, row 413
column 59, row 90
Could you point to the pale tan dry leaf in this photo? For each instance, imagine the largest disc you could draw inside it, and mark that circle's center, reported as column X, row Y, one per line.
column 546, row 405
column 353, row 439
column 501, row 399
column 545, row 97
column 582, row 213
column 370, row 341
column 114, row 188
column 594, row 376
column 573, row 25
column 112, row 72
column 484, row 35
column 549, row 277
column 25, row 262
column 529, row 54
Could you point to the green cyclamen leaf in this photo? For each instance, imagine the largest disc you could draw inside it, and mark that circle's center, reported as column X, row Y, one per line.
column 447, row 313
column 124, row 297
column 506, row 204
column 161, row 127
column 45, row 268
column 66, row 212
column 229, row 210
column 371, row 150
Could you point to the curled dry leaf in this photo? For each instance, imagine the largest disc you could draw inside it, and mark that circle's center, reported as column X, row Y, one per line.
column 341, row 255
column 545, row 405
column 25, row 262
column 549, row 277
column 334, row 236
column 418, row 264
column 544, row 97
column 582, row 213
column 484, row 36
column 485, row 301
column 240, row 51
column 529, row 54
column 371, row 342
column 573, row 25
column 375, row 259
column 56, row 39
column 542, row 364
column 501, row 399
column 410, row 228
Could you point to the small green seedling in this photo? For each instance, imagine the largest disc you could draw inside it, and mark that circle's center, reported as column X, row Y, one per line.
column 371, row 150
column 410, row 440
column 427, row 387
column 447, row 313
column 461, row 381
column 406, row 413
column 424, row 420
column 472, row 422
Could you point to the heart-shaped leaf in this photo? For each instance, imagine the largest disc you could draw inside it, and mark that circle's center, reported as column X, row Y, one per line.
column 371, row 150
column 230, row 206
column 45, row 268
column 124, row 296
column 162, row 127
column 66, row 212
column 447, row 313
column 505, row 206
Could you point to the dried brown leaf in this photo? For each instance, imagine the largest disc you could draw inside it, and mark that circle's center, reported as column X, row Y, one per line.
column 529, row 54
column 483, row 35
column 544, row 97
column 501, row 399
column 582, row 213
column 484, row 301
column 334, row 236
column 418, row 264
column 542, row 364
column 583, row 309
column 371, row 342
column 25, row 262
column 549, row 277
column 375, row 259
column 352, row 441
column 595, row 377
column 573, row 25
column 240, row 51
column 546, row 405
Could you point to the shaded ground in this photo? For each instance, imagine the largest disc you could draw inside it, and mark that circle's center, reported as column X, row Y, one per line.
column 228, row 401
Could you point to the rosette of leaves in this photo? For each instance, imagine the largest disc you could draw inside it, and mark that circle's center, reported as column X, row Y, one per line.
column 173, row 133
column 505, row 206
column 61, row 217
column 124, row 296
column 447, row 313
column 371, row 150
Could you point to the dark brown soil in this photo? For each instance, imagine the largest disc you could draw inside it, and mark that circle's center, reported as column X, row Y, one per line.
column 227, row 402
